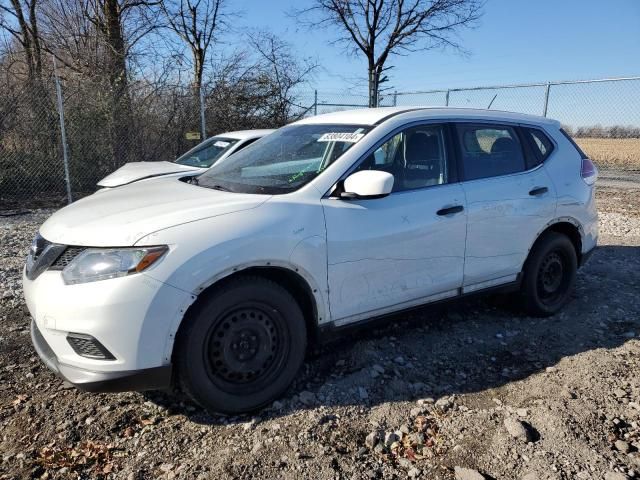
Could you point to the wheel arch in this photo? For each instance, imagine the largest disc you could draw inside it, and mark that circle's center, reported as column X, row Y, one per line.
column 293, row 278
column 567, row 226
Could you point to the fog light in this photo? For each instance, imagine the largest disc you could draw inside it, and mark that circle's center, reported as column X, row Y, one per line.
column 89, row 347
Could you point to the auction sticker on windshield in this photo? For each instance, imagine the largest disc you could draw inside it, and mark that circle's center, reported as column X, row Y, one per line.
column 341, row 137
column 221, row 144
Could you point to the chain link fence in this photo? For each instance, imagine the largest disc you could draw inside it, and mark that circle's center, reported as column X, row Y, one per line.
column 155, row 123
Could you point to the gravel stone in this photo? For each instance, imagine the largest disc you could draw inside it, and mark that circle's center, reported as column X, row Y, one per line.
column 615, row 476
column 390, row 437
column 531, row 476
column 462, row 473
column 622, row 446
column 414, row 472
column 362, row 393
column 620, row 393
column 372, row 440
column 307, row 398
column 443, row 404
column 517, row 429
column 416, row 411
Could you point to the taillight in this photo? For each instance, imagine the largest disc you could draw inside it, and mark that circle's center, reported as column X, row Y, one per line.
column 589, row 171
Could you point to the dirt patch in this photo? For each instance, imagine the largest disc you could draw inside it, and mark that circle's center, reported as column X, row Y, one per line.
column 473, row 384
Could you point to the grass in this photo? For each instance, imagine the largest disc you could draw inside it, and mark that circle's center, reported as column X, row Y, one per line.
column 618, row 153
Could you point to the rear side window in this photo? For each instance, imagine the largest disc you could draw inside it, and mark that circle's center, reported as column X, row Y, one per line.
column 575, row 145
column 540, row 143
column 489, row 151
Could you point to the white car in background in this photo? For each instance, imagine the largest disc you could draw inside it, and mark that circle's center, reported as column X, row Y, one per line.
column 218, row 282
column 194, row 162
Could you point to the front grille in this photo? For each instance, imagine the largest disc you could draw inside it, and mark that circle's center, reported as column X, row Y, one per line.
column 87, row 346
column 65, row 259
column 41, row 255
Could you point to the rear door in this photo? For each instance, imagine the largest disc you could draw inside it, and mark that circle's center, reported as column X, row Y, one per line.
column 510, row 198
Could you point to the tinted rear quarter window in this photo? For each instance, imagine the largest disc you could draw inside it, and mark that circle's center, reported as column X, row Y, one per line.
column 575, row 145
column 489, row 150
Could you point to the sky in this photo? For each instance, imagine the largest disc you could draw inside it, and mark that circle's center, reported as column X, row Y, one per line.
column 516, row 41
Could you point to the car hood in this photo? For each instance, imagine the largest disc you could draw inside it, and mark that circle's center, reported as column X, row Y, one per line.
column 134, row 171
column 122, row 216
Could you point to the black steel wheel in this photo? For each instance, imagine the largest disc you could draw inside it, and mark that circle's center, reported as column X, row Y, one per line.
column 551, row 279
column 246, row 346
column 242, row 346
column 549, row 274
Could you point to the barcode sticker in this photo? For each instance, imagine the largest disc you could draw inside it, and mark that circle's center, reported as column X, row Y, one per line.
column 221, row 144
column 341, row 137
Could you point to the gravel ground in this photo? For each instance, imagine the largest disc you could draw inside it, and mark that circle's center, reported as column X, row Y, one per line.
column 467, row 391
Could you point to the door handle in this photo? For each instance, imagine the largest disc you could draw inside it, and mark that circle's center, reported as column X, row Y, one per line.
column 538, row 191
column 450, row 210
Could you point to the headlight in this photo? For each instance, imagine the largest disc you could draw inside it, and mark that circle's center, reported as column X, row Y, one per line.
column 96, row 264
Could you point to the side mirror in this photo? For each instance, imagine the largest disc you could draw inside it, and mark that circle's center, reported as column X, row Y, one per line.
column 367, row 184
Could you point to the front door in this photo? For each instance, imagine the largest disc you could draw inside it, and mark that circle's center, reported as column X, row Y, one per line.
column 404, row 249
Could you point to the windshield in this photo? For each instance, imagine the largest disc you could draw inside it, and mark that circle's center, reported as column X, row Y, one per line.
column 283, row 161
column 205, row 154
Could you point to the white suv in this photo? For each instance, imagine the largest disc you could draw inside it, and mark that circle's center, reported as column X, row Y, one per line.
column 219, row 282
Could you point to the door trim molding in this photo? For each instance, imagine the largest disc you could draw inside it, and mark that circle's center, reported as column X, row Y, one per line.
column 396, row 307
column 331, row 330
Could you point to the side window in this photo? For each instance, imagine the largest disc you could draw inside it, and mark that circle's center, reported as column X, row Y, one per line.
column 540, row 143
column 416, row 157
column 489, row 150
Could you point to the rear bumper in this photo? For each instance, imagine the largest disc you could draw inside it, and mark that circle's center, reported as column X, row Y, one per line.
column 92, row 381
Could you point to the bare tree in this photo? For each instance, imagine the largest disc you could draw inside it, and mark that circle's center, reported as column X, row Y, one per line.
column 380, row 28
column 281, row 73
column 121, row 24
column 198, row 23
column 20, row 19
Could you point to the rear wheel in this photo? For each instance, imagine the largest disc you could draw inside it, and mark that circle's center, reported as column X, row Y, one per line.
column 549, row 275
column 242, row 346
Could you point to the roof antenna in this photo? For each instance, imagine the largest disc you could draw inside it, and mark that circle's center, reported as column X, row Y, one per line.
column 491, row 102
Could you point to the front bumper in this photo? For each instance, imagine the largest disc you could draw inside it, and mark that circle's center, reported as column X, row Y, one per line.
column 93, row 381
column 134, row 318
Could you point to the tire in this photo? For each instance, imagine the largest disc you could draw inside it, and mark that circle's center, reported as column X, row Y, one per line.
column 549, row 275
column 241, row 347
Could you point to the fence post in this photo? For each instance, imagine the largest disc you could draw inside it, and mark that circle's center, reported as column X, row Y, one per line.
column 203, row 124
column 446, row 99
column 546, row 100
column 315, row 102
column 395, row 98
column 63, row 133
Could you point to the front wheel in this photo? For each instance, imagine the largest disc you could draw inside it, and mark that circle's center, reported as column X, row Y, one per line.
column 242, row 346
column 549, row 275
